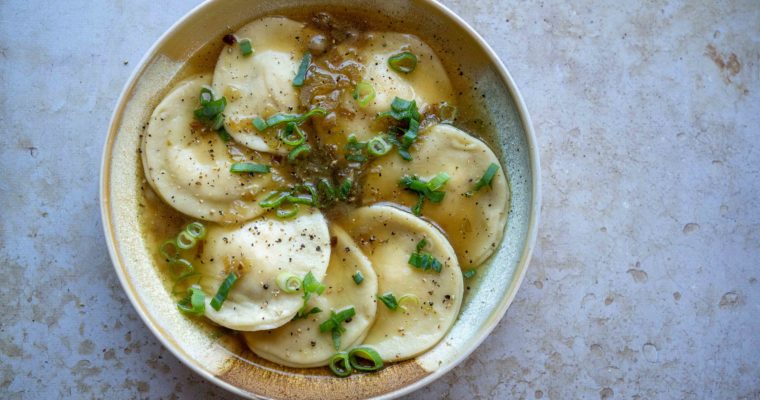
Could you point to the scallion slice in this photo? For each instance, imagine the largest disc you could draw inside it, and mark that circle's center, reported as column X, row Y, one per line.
column 424, row 261
column 260, row 124
column 404, row 62
column 223, row 291
column 487, row 177
column 288, row 282
column 310, row 285
column 469, row 273
column 340, row 365
column 287, row 212
column 292, row 135
column 196, row 230
column 438, row 181
column 302, row 70
column 251, row 168
column 364, row 93
column 206, row 96
column 358, row 277
column 429, row 190
column 223, row 134
column 185, row 241
column 333, row 324
column 377, row 146
column 274, row 199
column 218, row 122
column 344, row 190
column 365, row 359
column 408, row 299
column 211, row 109
column 179, row 267
column 194, row 303
column 304, row 149
column 389, row 300
column 245, row 47
column 169, row 249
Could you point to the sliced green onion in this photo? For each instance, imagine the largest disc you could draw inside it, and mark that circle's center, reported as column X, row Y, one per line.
column 169, row 249
column 211, row 109
column 365, row 359
column 287, row 135
column 436, row 197
column 333, row 324
column 206, row 96
column 224, row 291
column 358, row 277
column 301, row 199
column 424, row 261
column 289, row 212
column 339, row 364
column 469, row 273
column 364, row 93
column 194, row 303
column 180, row 266
column 185, row 241
column 260, row 124
column 417, row 208
column 245, row 47
column 196, row 230
column 218, row 122
column 312, row 285
column 389, row 300
column 377, row 146
column 251, row 168
column 181, row 279
column 281, row 118
column 344, row 190
column 487, row 177
column 274, row 199
column 438, row 181
column 421, row 245
column 403, row 62
column 298, row 151
column 302, row 70
column 224, row 135
column 409, row 299
column 288, row 282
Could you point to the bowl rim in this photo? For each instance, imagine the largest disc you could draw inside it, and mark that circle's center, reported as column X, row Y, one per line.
column 496, row 316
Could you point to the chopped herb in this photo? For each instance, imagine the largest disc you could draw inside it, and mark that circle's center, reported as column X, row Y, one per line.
column 429, row 190
column 292, row 135
column 487, row 177
column 404, row 62
column 340, row 365
column 282, row 118
column 194, row 303
column 333, row 324
column 424, row 261
column 245, row 47
column 364, row 93
column 469, row 273
column 365, row 359
column 251, row 168
column 303, row 149
column 223, row 134
column 259, row 123
column 358, row 277
column 389, row 300
column 223, row 292
column 310, row 285
column 302, row 70
column 404, row 111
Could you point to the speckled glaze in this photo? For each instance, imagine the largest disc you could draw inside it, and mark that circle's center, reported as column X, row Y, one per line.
column 219, row 360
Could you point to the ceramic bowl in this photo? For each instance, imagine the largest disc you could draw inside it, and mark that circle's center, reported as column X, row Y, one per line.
column 222, row 361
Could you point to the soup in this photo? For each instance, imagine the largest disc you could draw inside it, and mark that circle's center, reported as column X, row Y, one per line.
column 320, row 190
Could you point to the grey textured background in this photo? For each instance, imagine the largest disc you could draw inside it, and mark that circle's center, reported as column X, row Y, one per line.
column 644, row 283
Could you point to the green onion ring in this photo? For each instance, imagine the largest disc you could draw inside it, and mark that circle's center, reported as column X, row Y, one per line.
column 377, row 146
column 404, row 62
column 196, row 230
column 285, row 135
column 301, row 199
column 295, row 153
column 206, row 96
column 288, row 282
column 185, row 241
column 274, row 199
column 364, row 93
column 340, row 365
column 194, row 303
column 164, row 249
column 290, row 212
column 302, row 70
column 360, row 356
column 185, row 267
column 223, row 291
column 409, row 298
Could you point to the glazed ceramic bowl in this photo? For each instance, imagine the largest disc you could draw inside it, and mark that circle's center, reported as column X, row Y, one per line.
column 222, row 361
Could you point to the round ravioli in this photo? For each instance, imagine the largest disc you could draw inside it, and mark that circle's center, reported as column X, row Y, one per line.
column 429, row 301
column 474, row 221
column 189, row 165
column 261, row 84
column 258, row 252
column 427, row 84
column 300, row 343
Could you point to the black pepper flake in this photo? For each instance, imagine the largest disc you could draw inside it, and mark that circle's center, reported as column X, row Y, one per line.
column 229, row 39
column 319, row 248
column 333, row 241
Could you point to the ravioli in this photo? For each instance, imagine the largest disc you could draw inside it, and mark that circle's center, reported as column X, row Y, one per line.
column 261, row 84
column 258, row 252
column 189, row 165
column 388, row 236
column 474, row 224
column 299, row 343
column 427, row 84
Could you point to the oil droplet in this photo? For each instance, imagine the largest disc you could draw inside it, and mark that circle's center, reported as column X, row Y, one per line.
column 650, row 352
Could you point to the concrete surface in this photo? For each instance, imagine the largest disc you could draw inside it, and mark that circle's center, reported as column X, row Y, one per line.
column 644, row 283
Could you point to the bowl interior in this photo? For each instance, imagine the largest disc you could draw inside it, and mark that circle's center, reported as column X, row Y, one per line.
column 507, row 129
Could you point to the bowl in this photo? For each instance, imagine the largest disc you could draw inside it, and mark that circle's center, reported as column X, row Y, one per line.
column 220, row 359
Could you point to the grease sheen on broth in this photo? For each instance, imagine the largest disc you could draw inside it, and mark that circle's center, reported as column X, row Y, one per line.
column 343, row 44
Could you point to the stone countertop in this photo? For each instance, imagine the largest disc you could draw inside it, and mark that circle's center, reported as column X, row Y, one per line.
column 644, row 282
